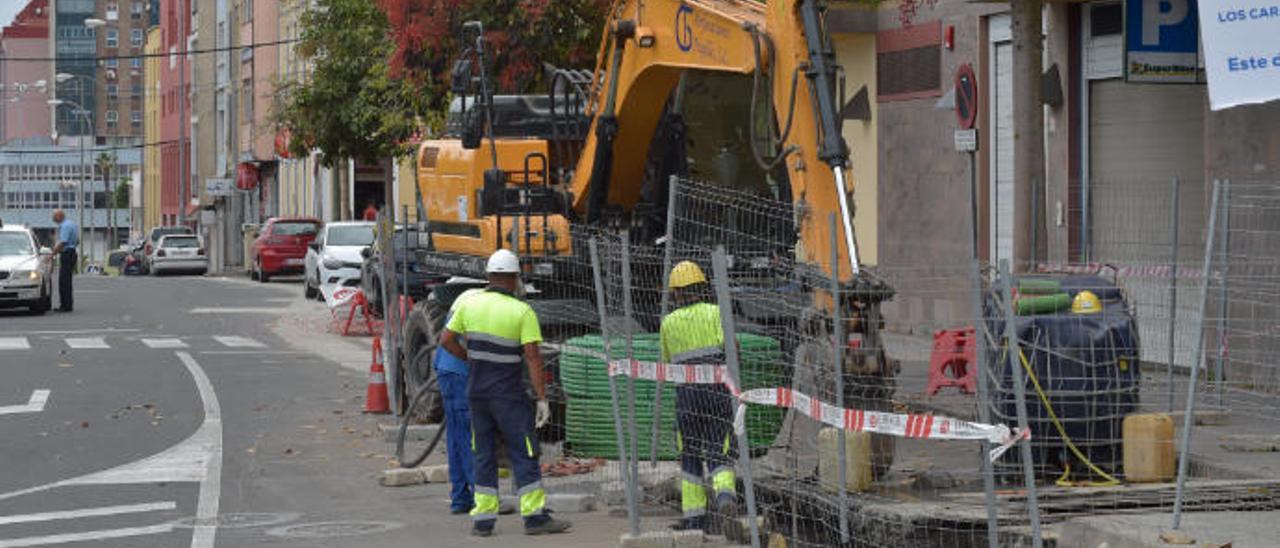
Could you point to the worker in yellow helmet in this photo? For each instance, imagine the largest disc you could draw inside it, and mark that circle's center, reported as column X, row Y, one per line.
column 691, row 334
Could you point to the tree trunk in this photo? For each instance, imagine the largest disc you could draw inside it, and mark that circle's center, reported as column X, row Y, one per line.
column 1028, row 127
column 344, row 191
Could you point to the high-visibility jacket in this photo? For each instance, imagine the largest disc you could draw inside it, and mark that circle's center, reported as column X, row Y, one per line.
column 497, row 326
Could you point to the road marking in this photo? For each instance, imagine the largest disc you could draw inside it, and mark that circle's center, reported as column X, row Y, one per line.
column 14, row 343
column 235, row 310
column 164, row 343
column 238, row 342
column 250, row 352
column 195, row 459
column 75, row 331
column 90, row 535
column 86, row 342
column 211, row 484
column 33, row 405
column 89, row 512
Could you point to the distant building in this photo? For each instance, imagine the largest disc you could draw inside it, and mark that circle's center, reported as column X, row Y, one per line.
column 106, row 64
column 37, row 177
column 24, row 111
column 151, row 172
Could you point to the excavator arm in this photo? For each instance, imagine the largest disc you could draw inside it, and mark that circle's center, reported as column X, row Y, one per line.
column 649, row 45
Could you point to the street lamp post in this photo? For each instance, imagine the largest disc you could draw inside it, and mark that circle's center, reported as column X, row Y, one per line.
column 80, row 192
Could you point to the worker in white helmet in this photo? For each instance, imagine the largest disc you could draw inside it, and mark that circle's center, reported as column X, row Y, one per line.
column 502, row 333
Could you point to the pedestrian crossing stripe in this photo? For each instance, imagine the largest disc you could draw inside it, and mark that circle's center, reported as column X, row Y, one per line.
column 164, row 343
column 86, row 342
column 14, row 343
column 238, row 342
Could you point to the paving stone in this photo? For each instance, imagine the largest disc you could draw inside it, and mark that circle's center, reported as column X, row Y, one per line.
column 436, row 473
column 649, row 539
column 399, row 477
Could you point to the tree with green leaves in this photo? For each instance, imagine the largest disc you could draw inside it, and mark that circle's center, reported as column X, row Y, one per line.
column 349, row 107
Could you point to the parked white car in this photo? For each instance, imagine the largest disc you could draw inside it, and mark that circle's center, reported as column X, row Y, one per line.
column 26, row 270
column 333, row 258
column 178, row 253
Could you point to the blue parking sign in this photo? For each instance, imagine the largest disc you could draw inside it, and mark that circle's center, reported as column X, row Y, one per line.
column 1162, row 41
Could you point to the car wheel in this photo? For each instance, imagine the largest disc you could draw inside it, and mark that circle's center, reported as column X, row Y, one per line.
column 308, row 291
column 46, row 302
column 262, row 274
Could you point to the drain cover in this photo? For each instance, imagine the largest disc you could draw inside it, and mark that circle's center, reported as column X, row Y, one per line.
column 241, row 521
column 328, row 529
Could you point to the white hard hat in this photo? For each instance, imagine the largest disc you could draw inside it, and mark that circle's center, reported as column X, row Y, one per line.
column 503, row 261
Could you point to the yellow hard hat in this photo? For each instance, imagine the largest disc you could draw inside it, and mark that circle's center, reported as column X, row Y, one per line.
column 686, row 273
column 1086, row 303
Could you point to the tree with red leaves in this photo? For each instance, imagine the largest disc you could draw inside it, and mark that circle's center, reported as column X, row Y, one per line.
column 523, row 35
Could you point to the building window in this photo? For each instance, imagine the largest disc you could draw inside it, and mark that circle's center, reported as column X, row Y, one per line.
column 113, row 92
column 111, row 62
column 113, row 116
column 136, row 91
column 113, row 11
column 246, row 11
column 909, row 62
column 135, row 118
column 136, row 62
column 136, row 10
column 113, row 38
column 135, row 38
column 246, row 101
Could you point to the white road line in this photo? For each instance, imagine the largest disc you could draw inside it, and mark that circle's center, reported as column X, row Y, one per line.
column 235, row 310
column 86, row 342
column 14, row 343
column 164, row 343
column 86, row 536
column 89, row 512
column 33, row 405
column 211, row 484
column 238, row 342
column 197, row 458
column 75, row 331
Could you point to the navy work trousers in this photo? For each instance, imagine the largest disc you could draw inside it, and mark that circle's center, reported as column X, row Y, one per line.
column 511, row 418
column 457, row 422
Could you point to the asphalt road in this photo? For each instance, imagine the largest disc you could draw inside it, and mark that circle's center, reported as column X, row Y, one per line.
column 167, row 412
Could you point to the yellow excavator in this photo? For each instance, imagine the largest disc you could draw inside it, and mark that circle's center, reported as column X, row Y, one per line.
column 742, row 94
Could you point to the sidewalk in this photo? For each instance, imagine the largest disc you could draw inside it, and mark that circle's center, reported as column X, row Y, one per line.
column 305, row 326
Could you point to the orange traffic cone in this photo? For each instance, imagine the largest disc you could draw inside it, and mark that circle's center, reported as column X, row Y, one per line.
column 375, row 400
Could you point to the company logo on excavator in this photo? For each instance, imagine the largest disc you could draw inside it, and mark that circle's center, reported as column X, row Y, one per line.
column 683, row 30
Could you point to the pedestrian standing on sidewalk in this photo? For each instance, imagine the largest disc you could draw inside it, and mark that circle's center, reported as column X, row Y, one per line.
column 451, row 372
column 691, row 335
column 501, row 333
column 68, row 243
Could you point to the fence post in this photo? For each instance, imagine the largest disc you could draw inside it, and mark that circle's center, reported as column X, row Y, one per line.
column 1188, row 420
column 984, row 399
column 633, row 456
column 1020, row 395
column 668, row 257
column 837, row 361
column 1173, row 288
column 720, row 266
column 632, row 516
column 1221, row 371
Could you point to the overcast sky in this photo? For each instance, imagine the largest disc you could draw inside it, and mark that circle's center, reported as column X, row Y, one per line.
column 8, row 9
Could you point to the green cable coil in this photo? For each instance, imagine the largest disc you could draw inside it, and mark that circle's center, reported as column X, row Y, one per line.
column 589, row 424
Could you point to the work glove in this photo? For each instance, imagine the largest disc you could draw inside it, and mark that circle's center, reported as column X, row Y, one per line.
column 543, row 416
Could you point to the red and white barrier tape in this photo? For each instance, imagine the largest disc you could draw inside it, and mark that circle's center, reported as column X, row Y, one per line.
column 853, row 420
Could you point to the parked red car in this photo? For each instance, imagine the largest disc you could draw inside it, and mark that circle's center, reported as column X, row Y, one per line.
column 281, row 246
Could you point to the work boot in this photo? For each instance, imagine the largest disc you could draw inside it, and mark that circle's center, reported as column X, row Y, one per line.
column 724, row 521
column 694, row 523
column 482, row 530
column 545, row 525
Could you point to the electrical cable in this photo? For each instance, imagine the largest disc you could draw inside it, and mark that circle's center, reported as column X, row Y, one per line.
column 1062, row 431
column 201, row 51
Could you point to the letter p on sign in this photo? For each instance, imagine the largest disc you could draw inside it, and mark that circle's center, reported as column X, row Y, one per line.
column 1160, row 13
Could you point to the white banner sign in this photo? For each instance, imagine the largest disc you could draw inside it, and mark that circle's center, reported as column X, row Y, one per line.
column 1242, row 51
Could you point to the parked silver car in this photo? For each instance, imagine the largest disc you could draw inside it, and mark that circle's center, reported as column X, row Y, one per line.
column 26, row 270
column 178, row 253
